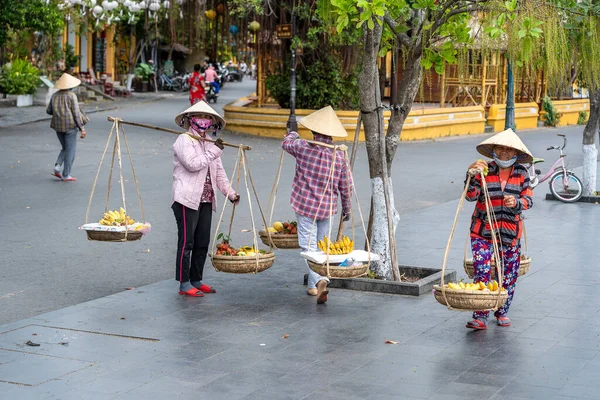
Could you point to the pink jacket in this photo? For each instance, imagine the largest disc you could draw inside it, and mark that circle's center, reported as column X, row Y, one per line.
column 192, row 158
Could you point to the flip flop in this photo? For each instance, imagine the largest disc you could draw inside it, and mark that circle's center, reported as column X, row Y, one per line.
column 477, row 325
column 71, row 179
column 56, row 174
column 193, row 292
column 503, row 321
column 204, row 288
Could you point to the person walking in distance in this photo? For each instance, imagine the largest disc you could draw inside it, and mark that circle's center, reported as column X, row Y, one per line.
column 67, row 119
column 314, row 193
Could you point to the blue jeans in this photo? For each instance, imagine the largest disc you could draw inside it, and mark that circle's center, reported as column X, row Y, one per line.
column 216, row 86
column 304, row 228
column 68, row 141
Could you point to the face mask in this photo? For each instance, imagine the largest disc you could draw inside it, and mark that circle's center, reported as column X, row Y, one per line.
column 203, row 125
column 505, row 164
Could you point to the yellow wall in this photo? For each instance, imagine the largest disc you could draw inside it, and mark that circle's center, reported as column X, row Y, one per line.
column 110, row 52
column 526, row 116
column 420, row 124
column 569, row 110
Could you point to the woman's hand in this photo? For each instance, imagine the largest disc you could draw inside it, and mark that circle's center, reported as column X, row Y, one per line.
column 83, row 134
column 219, row 144
column 479, row 164
column 235, row 198
column 510, row 201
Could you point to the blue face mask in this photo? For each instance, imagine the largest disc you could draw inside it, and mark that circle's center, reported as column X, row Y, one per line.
column 505, row 164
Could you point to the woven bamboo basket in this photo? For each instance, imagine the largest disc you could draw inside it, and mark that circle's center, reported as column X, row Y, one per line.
column 523, row 269
column 339, row 272
column 281, row 241
column 242, row 264
column 470, row 300
column 108, row 236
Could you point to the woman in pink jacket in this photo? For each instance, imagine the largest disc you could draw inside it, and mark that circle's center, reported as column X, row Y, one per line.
column 197, row 174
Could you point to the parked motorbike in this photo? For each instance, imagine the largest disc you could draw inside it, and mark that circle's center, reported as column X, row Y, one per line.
column 183, row 80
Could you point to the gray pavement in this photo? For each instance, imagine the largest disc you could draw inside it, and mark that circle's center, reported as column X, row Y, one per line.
column 148, row 342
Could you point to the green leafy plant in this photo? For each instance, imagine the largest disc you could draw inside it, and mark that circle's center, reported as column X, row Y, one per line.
column 552, row 116
column 319, row 84
column 144, row 71
column 19, row 77
column 71, row 60
column 582, row 118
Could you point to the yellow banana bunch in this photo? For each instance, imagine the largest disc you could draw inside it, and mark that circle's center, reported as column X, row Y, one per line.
column 491, row 286
column 342, row 246
column 116, row 218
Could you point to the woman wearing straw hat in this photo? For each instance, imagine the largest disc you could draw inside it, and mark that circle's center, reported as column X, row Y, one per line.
column 508, row 186
column 314, row 194
column 66, row 120
column 197, row 174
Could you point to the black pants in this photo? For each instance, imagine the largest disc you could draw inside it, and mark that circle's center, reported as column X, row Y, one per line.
column 193, row 238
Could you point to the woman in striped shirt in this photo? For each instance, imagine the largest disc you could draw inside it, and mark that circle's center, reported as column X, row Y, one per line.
column 507, row 182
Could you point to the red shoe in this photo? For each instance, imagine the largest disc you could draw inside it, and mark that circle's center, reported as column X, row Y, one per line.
column 71, row 179
column 193, row 292
column 57, row 174
column 204, row 288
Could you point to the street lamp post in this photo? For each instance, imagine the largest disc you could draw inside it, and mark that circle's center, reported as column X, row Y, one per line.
column 292, row 124
column 509, row 119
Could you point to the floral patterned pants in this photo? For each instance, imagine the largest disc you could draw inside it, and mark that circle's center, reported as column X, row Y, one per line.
column 482, row 256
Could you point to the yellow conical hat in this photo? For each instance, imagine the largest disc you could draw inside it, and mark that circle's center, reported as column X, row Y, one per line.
column 325, row 122
column 506, row 138
column 67, row 81
column 200, row 108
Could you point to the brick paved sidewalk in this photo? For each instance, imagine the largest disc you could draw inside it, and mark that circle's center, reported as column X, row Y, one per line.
column 151, row 343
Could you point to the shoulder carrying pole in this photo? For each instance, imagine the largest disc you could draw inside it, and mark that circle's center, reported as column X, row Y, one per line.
column 157, row 128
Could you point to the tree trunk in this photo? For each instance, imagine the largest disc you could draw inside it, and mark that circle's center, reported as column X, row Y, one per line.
column 590, row 153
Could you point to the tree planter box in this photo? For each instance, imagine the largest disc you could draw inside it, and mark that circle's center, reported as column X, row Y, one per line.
column 24, row 100
column 526, row 116
column 427, row 278
column 569, row 110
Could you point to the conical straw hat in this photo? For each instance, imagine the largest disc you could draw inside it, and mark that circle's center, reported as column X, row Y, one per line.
column 200, row 108
column 506, row 138
column 67, row 81
column 325, row 122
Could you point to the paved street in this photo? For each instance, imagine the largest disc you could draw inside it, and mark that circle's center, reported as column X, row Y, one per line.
column 57, row 287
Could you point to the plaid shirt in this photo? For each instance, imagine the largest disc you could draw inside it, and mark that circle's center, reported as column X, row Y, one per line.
column 313, row 166
column 64, row 109
column 509, row 221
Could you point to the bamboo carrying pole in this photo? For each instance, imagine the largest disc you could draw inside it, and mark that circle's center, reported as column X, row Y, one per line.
column 157, row 128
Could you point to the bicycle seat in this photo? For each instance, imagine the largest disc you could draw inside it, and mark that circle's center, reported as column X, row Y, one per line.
column 537, row 160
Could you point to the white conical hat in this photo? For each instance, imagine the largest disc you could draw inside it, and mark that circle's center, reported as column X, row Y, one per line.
column 200, row 108
column 506, row 138
column 325, row 122
column 67, row 81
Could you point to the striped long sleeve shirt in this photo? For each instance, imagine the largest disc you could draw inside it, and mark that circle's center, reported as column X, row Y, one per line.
column 64, row 109
column 311, row 195
column 509, row 220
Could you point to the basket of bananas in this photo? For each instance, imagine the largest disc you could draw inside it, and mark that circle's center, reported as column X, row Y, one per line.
column 523, row 268
column 116, row 226
column 471, row 296
column 341, row 264
column 284, row 235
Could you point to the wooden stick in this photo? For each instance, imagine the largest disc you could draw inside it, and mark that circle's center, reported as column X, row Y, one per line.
column 157, row 128
column 352, row 159
column 331, row 146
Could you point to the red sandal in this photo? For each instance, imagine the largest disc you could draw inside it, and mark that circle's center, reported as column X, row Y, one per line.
column 193, row 292
column 204, row 288
column 70, row 179
column 477, row 325
column 57, row 174
column 503, row 321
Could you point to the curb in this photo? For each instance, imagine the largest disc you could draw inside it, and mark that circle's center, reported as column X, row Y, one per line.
column 92, row 111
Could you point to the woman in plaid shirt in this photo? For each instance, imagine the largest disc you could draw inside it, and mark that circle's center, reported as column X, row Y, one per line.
column 67, row 119
column 508, row 186
column 314, row 199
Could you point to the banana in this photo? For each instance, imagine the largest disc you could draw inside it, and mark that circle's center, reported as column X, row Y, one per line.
column 122, row 213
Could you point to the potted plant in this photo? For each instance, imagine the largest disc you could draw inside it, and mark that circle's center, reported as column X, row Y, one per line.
column 144, row 71
column 20, row 78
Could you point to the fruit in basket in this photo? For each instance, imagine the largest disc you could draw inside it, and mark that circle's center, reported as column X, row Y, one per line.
column 285, row 228
column 116, row 218
column 224, row 248
column 480, row 286
column 342, row 246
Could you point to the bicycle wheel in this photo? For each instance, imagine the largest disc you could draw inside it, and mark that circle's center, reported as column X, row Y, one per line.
column 569, row 192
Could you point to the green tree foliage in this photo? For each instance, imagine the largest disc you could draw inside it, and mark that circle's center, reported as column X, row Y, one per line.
column 29, row 15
